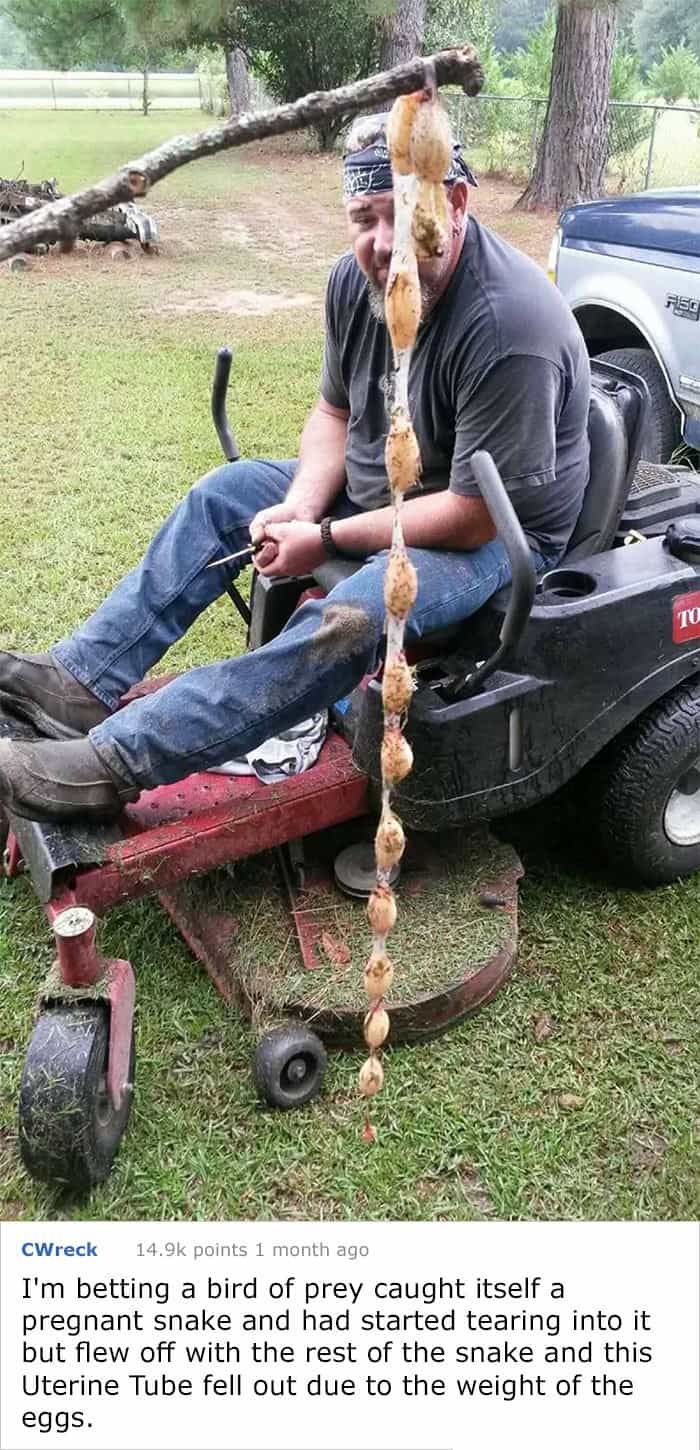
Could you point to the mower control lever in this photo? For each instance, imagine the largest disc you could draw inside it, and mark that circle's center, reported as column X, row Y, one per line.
column 229, row 447
column 522, row 568
column 222, row 372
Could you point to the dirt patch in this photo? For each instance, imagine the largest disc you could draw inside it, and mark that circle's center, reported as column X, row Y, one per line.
column 449, row 1191
column 301, row 222
column 298, row 220
column 237, row 234
column 647, row 1151
column 542, row 1027
column 475, row 1193
column 297, row 1207
column 241, row 302
column 13, row 1210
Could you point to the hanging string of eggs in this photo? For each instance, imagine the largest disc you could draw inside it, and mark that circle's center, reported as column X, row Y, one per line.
column 418, row 137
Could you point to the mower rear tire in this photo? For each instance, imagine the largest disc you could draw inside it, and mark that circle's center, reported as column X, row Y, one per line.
column 662, row 430
column 647, row 792
column 288, row 1066
column 69, row 1130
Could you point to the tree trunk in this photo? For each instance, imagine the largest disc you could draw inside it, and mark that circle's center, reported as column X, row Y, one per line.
column 402, row 33
column 326, row 132
column 238, row 80
column 145, row 98
column 573, row 152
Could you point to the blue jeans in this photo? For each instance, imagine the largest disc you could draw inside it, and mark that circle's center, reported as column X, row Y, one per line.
column 215, row 712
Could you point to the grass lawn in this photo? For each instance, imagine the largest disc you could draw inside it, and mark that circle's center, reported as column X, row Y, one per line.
column 104, row 388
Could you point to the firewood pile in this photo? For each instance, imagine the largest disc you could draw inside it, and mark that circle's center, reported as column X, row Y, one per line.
column 125, row 223
column 17, row 196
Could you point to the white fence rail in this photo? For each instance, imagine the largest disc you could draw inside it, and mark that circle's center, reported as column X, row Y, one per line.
column 97, row 90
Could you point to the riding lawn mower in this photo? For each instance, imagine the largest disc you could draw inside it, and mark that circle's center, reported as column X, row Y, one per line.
column 584, row 679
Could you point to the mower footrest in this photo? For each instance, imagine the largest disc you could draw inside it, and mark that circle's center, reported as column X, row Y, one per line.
column 207, row 820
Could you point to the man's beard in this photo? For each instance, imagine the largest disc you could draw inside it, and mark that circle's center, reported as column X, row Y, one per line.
column 375, row 295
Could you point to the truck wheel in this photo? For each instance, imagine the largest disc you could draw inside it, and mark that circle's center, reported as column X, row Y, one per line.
column 662, row 432
column 647, row 792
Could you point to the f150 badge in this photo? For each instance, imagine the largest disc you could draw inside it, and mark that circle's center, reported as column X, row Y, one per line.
column 686, row 617
column 688, row 307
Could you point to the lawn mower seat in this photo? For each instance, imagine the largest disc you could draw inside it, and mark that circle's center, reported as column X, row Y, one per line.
column 334, row 571
column 615, row 422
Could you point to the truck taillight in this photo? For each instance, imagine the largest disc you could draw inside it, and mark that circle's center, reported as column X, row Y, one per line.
column 553, row 257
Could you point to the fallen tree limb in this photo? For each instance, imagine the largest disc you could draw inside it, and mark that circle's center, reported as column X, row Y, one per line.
column 58, row 220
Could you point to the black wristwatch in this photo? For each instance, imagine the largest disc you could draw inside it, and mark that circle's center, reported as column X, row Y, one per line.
column 327, row 539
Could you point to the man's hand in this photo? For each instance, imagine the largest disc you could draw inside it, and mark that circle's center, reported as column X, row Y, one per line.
column 291, row 548
column 278, row 513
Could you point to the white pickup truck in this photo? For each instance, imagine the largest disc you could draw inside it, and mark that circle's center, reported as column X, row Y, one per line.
column 629, row 268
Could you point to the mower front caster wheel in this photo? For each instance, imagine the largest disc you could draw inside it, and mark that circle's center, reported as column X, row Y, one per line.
column 288, row 1066
column 69, row 1131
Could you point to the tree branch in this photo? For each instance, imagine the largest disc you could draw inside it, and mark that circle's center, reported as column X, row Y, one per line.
column 59, row 220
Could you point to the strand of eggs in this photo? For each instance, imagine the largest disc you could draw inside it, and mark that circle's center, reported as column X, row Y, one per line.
column 420, row 147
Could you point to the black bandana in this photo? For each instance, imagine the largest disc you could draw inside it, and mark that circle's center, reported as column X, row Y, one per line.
column 367, row 165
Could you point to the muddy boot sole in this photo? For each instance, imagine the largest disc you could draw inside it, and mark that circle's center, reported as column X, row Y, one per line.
column 45, row 724
column 59, row 781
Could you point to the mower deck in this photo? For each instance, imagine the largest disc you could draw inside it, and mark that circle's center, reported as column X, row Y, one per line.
column 181, row 830
column 455, row 942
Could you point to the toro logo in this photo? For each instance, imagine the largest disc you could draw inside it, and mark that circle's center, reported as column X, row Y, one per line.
column 686, row 617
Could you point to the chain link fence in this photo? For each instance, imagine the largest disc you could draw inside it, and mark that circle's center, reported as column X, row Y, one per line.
column 648, row 145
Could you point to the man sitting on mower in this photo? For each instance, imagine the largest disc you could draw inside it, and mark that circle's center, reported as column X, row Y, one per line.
column 499, row 364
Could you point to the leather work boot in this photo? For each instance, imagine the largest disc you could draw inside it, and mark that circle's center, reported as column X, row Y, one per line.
column 39, row 689
column 60, row 780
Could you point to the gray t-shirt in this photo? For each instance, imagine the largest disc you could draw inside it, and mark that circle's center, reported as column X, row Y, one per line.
column 498, row 364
